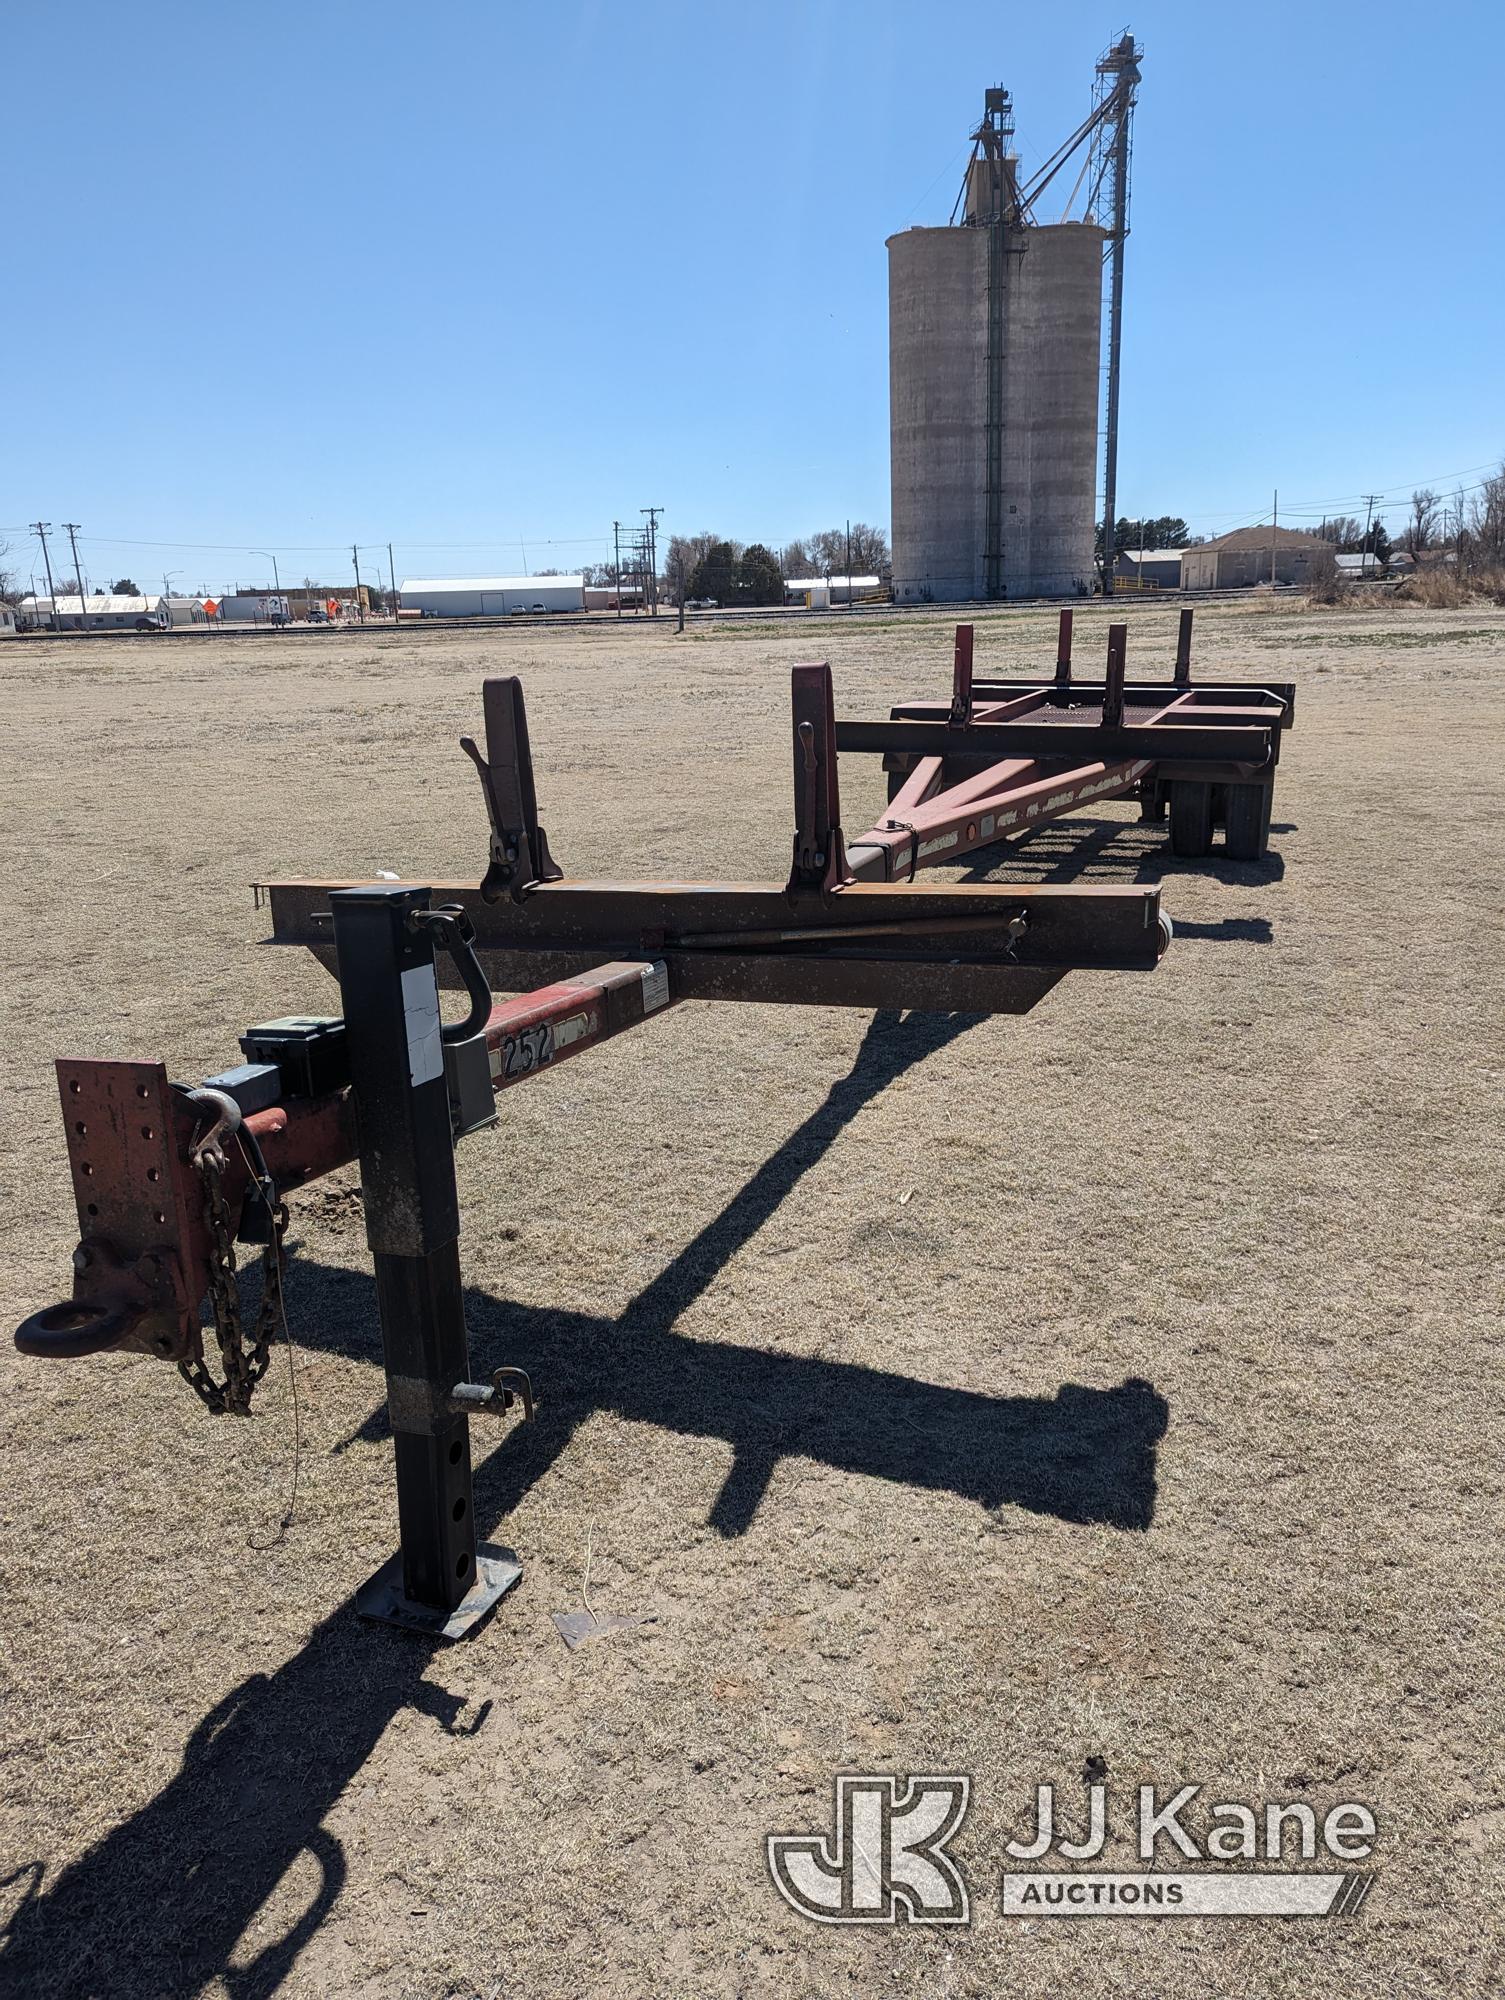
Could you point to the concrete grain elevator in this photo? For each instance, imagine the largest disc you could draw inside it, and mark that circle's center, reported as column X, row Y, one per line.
column 995, row 351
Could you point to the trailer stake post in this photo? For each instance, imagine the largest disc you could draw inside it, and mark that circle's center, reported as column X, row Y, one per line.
column 820, row 856
column 519, row 846
column 439, row 1582
column 1063, row 653
column 1183, row 650
column 1113, row 677
column 961, row 676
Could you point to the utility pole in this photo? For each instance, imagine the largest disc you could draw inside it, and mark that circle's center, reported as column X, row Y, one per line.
column 83, row 620
column 359, row 603
column 276, row 577
column 39, row 529
column 392, row 581
column 1369, row 500
column 1274, row 534
column 850, row 605
column 616, row 545
column 652, row 577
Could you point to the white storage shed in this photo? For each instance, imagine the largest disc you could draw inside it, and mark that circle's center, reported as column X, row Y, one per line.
column 491, row 596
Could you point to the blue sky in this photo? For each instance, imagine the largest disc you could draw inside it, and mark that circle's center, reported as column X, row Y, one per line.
column 467, row 276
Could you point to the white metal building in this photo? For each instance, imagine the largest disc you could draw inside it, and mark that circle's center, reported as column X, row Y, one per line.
column 491, row 596
column 99, row 614
column 836, row 589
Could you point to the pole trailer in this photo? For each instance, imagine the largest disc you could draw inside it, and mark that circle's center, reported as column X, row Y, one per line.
column 1002, row 757
column 170, row 1178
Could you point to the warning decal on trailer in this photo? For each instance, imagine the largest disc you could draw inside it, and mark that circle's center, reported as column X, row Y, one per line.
column 655, row 986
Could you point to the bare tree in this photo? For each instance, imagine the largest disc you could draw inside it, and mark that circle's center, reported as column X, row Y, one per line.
column 9, row 592
column 1322, row 583
column 1422, row 526
column 1344, row 531
column 870, row 551
column 1486, row 520
column 684, row 556
column 828, row 550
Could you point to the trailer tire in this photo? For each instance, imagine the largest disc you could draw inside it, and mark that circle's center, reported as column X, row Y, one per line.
column 1191, row 818
column 1248, row 834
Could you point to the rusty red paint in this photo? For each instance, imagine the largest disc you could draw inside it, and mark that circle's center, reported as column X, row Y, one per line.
column 961, row 675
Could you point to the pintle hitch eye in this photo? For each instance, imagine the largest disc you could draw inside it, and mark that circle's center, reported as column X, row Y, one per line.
column 63, row 1332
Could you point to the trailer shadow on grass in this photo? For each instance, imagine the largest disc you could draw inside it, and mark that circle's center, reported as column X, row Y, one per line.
column 1118, row 850
column 160, row 1905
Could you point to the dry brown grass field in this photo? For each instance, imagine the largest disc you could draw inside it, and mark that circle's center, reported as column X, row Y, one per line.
column 1162, row 1424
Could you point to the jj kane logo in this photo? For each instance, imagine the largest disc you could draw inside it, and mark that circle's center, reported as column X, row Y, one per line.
column 885, row 1858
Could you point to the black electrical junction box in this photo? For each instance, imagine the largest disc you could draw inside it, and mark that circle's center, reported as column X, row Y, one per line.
column 254, row 1086
column 308, row 1049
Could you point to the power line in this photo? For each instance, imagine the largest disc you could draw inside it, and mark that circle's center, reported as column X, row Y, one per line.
column 329, row 548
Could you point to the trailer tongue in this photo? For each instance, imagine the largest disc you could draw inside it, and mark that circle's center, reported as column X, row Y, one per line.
column 170, row 1178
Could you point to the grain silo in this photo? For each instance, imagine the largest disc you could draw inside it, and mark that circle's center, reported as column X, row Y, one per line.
column 995, row 338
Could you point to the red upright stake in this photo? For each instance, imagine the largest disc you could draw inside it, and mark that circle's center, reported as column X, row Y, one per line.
column 1183, row 650
column 1113, row 678
column 961, row 676
column 1063, row 652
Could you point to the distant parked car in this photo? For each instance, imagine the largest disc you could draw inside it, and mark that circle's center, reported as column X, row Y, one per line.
column 540, row 607
column 318, row 617
column 701, row 604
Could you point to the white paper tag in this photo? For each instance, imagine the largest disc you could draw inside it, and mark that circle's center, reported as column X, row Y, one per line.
column 655, row 986
column 420, row 1009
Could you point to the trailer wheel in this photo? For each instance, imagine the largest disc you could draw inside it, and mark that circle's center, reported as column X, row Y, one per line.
column 1248, row 834
column 1191, row 818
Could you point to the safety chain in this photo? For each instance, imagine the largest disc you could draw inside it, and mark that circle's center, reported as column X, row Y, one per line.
column 244, row 1367
column 903, row 826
